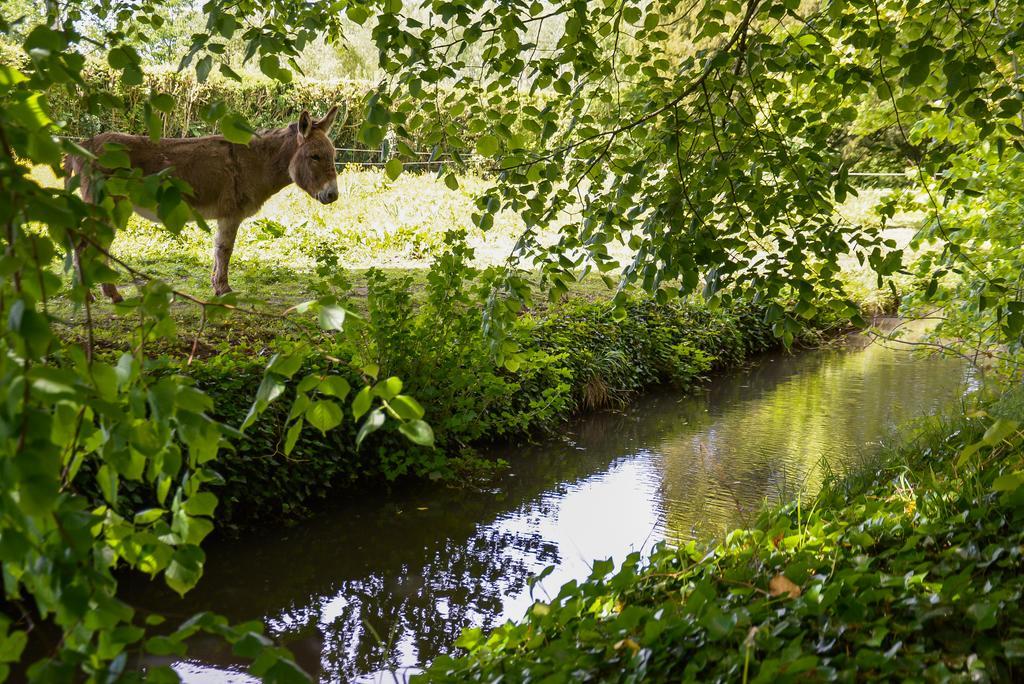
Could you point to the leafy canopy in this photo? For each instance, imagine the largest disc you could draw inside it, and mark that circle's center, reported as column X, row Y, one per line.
column 720, row 168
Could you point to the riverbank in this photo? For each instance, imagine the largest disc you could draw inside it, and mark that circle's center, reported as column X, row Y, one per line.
column 910, row 566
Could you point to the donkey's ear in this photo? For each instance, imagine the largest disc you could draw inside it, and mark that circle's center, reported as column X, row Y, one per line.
column 325, row 123
column 305, row 124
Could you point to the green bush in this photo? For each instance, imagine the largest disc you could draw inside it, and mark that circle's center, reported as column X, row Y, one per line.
column 579, row 356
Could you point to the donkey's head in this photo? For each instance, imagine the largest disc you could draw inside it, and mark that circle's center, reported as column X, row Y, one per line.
column 312, row 165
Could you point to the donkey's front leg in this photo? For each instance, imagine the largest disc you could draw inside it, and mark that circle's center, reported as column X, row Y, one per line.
column 223, row 244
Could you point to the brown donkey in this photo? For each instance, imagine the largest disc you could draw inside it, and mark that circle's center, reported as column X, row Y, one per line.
column 230, row 182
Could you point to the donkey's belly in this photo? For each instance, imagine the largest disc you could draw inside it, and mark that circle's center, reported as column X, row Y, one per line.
column 208, row 213
column 146, row 214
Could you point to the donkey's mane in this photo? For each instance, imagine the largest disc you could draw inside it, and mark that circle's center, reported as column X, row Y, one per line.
column 290, row 128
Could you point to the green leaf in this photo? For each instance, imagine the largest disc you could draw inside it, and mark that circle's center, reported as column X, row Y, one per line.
column 236, row 129
column 147, row 516
column 984, row 613
column 370, row 135
column 12, row 645
column 175, row 216
column 373, row 422
column 185, row 568
column 164, row 646
column 308, row 383
column 162, row 102
column 998, row 431
column 717, row 623
column 362, row 402
column 286, row 364
column 201, row 503
column 387, row 389
column 1014, row 649
column 357, row 13
column 105, row 378
column 324, row 415
column 418, row 432
column 38, row 493
column 334, row 386
column 107, row 479
column 292, row 436
column 203, row 67
column 487, row 145
column 406, row 407
column 285, row 671
column 393, row 168
column 270, row 389
column 121, row 57
column 1009, row 482
column 10, row 76
column 251, row 644
column 45, row 38
column 331, row 316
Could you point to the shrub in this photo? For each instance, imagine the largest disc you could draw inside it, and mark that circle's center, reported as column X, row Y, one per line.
column 579, row 356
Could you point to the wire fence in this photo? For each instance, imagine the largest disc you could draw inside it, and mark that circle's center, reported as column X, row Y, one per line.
column 877, row 175
column 380, row 156
column 359, row 156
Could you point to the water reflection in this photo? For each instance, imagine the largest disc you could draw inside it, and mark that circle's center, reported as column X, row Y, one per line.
column 378, row 586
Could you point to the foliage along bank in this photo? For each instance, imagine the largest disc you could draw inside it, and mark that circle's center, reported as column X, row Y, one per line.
column 577, row 357
column 911, row 568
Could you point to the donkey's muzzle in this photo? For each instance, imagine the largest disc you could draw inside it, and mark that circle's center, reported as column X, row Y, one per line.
column 327, row 196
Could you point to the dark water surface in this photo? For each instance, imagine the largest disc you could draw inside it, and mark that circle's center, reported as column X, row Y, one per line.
column 382, row 584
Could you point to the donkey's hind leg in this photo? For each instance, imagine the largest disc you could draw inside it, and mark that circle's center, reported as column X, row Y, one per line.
column 223, row 245
column 109, row 289
column 73, row 167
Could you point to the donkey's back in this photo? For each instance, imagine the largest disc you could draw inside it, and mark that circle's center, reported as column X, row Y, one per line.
column 213, row 167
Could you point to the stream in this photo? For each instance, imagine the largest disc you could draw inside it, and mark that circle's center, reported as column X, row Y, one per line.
column 378, row 585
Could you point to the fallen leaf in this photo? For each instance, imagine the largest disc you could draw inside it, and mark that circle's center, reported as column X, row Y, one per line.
column 781, row 584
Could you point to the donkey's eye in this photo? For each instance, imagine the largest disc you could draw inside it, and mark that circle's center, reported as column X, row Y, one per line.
column 315, row 157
